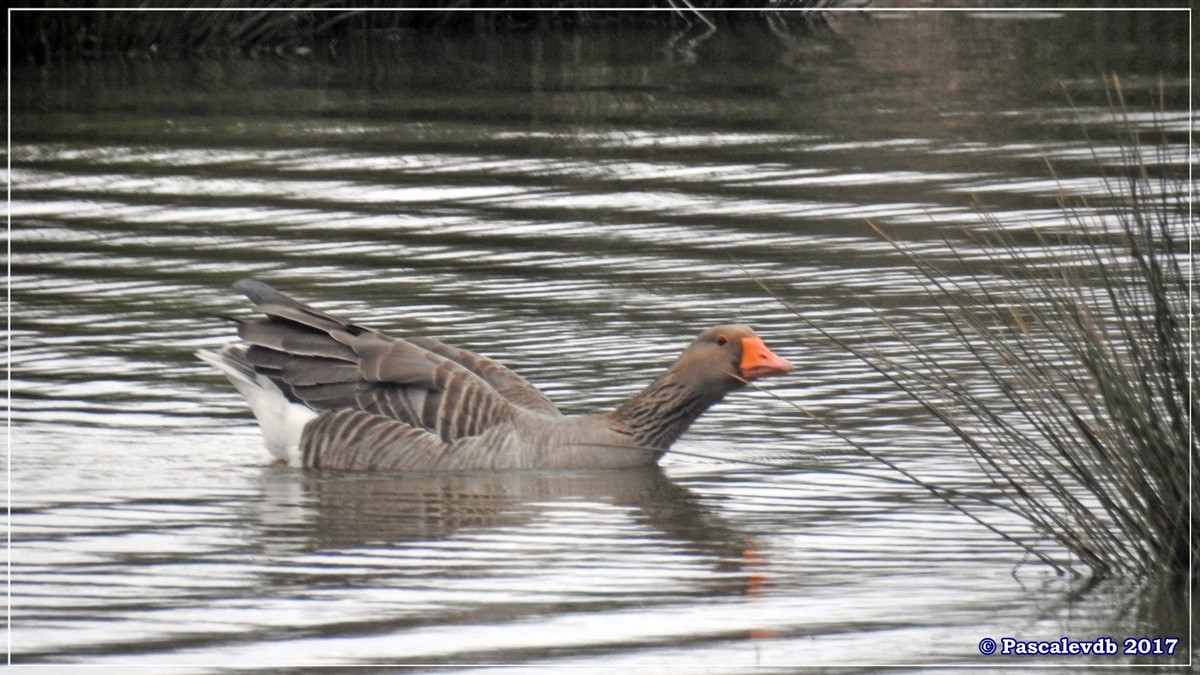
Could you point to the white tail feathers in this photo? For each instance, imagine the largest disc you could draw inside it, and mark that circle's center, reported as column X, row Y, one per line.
column 282, row 421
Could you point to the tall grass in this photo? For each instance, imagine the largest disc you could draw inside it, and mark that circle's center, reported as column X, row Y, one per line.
column 1081, row 412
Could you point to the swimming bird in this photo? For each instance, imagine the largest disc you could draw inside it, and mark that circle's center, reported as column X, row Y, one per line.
column 331, row 394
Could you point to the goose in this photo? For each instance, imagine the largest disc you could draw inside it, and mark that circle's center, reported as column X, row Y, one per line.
column 329, row 394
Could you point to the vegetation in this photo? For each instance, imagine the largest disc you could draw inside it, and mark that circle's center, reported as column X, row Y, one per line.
column 1082, row 412
column 295, row 28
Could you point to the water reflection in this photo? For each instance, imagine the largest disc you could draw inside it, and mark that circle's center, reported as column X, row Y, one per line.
column 387, row 511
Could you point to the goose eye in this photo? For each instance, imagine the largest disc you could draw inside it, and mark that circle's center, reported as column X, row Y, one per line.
column 722, row 340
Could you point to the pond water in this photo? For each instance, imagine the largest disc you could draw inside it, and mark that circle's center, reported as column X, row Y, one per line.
column 576, row 205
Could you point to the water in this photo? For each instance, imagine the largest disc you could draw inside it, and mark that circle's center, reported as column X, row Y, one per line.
column 576, row 206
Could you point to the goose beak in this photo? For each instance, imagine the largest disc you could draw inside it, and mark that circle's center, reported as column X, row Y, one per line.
column 758, row 361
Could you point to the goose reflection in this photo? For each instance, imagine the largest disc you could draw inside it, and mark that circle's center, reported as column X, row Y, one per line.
column 339, row 511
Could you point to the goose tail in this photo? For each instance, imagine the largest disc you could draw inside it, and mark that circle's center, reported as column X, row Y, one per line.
column 282, row 421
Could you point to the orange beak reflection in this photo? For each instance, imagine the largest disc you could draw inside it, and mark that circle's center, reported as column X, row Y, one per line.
column 758, row 361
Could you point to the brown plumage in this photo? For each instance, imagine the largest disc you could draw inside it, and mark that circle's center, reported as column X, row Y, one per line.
column 330, row 394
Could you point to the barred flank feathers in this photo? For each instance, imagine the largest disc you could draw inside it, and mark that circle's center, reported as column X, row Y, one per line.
column 353, row 440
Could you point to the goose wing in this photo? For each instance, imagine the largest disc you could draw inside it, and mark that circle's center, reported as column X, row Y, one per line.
column 329, row 363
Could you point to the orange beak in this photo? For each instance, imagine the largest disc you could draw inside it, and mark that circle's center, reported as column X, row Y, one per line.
column 758, row 361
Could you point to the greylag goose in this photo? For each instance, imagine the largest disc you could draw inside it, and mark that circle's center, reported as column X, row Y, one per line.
column 330, row 394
